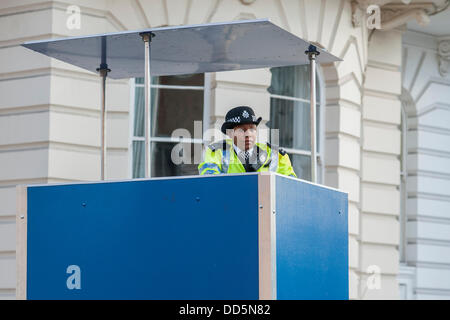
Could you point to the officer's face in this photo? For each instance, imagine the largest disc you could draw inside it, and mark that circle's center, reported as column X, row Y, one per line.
column 244, row 136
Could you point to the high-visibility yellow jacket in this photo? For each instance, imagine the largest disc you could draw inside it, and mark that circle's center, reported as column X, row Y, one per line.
column 220, row 157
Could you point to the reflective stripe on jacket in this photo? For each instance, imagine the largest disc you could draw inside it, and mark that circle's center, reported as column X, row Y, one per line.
column 220, row 157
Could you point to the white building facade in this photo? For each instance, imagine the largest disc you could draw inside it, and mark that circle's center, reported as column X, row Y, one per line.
column 384, row 128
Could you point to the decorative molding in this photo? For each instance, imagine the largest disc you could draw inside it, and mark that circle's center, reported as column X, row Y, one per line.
column 359, row 9
column 444, row 57
column 247, row 2
column 396, row 15
column 393, row 14
column 357, row 14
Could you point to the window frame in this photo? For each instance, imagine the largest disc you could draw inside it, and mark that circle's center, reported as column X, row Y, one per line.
column 207, row 85
column 206, row 88
column 320, row 137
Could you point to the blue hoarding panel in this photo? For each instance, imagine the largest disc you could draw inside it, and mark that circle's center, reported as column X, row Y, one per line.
column 190, row 238
column 311, row 241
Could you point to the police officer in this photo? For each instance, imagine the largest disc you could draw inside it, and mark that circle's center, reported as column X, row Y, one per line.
column 241, row 153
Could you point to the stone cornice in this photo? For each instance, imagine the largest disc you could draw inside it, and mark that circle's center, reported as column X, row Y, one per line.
column 395, row 14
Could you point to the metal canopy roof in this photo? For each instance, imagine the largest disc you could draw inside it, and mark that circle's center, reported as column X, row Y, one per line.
column 184, row 49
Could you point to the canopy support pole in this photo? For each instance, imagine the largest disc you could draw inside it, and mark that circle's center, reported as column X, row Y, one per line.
column 312, row 54
column 147, row 38
column 103, row 71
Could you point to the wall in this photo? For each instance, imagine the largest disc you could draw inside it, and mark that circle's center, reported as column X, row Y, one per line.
column 24, row 120
column 380, row 163
column 49, row 113
column 427, row 96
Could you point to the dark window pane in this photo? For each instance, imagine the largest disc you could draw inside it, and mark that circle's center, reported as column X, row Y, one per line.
column 175, row 109
column 141, row 80
column 162, row 164
column 292, row 81
column 292, row 118
column 301, row 165
column 182, row 80
column 171, row 109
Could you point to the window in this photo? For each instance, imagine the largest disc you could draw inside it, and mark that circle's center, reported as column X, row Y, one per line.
column 289, row 113
column 176, row 102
